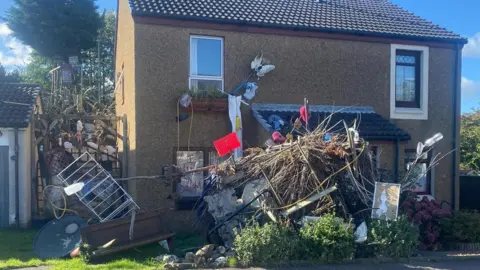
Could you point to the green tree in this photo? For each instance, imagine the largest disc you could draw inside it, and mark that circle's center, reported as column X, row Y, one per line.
column 98, row 61
column 470, row 140
column 37, row 71
column 9, row 77
column 55, row 28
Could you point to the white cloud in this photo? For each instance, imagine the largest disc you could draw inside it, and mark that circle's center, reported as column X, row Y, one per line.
column 470, row 88
column 13, row 54
column 472, row 49
column 4, row 30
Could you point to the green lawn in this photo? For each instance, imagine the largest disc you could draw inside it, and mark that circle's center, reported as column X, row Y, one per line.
column 16, row 251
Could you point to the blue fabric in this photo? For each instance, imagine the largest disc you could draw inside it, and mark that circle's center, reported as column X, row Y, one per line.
column 276, row 121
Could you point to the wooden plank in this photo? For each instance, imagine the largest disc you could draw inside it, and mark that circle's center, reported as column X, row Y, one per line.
column 309, row 200
column 83, row 117
column 103, row 252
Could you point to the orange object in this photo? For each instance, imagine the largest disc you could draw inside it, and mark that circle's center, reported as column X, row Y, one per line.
column 227, row 144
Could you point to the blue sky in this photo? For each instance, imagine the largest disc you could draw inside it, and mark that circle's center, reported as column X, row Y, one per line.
column 460, row 16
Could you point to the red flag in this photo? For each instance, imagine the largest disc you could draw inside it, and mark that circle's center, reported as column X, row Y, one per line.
column 227, row 144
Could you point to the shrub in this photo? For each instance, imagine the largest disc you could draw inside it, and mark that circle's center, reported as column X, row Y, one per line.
column 265, row 244
column 328, row 239
column 427, row 214
column 462, row 227
column 395, row 239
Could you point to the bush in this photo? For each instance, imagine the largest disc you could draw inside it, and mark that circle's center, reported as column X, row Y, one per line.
column 328, row 239
column 265, row 244
column 395, row 239
column 427, row 214
column 462, row 227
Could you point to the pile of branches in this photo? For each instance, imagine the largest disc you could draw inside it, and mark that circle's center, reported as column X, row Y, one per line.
column 314, row 162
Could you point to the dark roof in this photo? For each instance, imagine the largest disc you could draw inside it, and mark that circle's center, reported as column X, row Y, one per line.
column 371, row 126
column 16, row 104
column 360, row 17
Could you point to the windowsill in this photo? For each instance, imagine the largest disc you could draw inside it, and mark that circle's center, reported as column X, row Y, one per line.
column 409, row 114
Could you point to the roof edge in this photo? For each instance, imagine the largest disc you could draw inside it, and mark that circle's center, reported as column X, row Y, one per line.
column 460, row 40
column 312, row 108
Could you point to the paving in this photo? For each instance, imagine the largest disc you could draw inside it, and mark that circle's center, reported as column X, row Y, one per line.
column 473, row 264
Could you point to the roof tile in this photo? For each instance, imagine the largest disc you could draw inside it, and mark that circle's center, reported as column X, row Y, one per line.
column 374, row 17
column 16, row 104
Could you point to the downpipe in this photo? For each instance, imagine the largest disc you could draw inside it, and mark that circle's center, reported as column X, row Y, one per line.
column 17, row 180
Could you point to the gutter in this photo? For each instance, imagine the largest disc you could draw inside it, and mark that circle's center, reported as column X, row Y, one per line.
column 17, row 180
column 456, row 89
column 147, row 14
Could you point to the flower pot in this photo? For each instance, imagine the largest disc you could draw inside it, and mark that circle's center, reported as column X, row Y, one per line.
column 207, row 105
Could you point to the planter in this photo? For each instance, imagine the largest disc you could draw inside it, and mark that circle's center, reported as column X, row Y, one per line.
column 207, row 105
column 464, row 246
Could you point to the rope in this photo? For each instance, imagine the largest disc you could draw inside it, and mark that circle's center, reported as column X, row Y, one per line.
column 190, row 131
column 178, row 124
column 54, row 207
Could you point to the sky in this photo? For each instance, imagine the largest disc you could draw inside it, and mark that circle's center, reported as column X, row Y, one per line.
column 459, row 16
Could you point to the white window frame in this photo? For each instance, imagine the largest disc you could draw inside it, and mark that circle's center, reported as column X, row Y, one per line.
column 410, row 113
column 210, row 78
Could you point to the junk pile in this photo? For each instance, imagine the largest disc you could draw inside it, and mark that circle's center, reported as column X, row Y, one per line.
column 308, row 174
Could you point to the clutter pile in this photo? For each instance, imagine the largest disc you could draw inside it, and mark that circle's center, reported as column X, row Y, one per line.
column 307, row 175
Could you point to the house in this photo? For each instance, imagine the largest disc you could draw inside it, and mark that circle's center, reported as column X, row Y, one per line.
column 398, row 73
column 18, row 103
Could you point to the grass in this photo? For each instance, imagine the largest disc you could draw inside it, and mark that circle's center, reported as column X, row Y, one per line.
column 16, row 251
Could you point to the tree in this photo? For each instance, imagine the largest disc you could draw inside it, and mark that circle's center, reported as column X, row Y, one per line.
column 55, row 28
column 37, row 71
column 470, row 140
column 100, row 74
column 9, row 77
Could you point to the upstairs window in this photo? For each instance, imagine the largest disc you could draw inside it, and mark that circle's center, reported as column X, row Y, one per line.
column 407, row 79
column 409, row 82
column 206, row 63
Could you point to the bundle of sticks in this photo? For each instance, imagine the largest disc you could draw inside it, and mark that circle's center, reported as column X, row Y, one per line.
column 314, row 162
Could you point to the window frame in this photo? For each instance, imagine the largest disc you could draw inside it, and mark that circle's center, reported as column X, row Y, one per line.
column 429, row 172
column 203, row 77
column 418, row 78
column 206, row 160
column 410, row 110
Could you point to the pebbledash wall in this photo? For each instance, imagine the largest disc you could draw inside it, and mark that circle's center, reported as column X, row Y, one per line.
column 326, row 71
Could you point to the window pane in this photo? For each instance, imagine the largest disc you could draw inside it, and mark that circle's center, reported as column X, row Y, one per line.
column 405, row 83
column 405, row 59
column 205, row 85
column 420, row 172
column 206, row 57
column 214, row 159
column 190, row 185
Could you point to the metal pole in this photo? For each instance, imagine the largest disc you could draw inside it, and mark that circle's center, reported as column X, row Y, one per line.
column 98, row 69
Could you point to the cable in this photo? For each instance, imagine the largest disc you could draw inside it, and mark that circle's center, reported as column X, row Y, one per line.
column 190, row 131
column 54, row 207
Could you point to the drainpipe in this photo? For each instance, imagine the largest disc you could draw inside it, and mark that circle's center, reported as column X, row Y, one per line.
column 17, row 188
column 456, row 70
column 395, row 158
